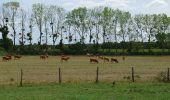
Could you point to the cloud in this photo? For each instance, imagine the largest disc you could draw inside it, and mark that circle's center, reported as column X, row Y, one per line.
column 92, row 3
column 156, row 7
column 156, row 4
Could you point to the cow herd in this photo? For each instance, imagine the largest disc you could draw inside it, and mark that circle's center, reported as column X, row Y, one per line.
column 9, row 57
column 105, row 59
column 93, row 59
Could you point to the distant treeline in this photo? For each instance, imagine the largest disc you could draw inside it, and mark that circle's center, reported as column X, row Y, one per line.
column 123, row 48
column 83, row 28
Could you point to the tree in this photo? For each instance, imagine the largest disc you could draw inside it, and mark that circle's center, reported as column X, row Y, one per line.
column 23, row 20
column 29, row 34
column 139, row 28
column 149, row 26
column 79, row 17
column 10, row 10
column 60, row 24
column 56, row 16
column 38, row 13
column 69, row 22
column 90, row 24
column 124, row 17
column 96, row 14
column 161, row 37
column 106, row 15
column 6, row 42
column 115, row 25
column 46, row 20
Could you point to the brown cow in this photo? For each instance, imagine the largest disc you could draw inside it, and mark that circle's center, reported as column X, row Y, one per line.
column 5, row 58
column 42, row 57
column 106, row 59
column 16, row 57
column 65, row 58
column 114, row 60
column 9, row 57
column 93, row 60
column 46, row 56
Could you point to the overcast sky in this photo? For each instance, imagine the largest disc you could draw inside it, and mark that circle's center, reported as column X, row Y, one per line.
column 134, row 6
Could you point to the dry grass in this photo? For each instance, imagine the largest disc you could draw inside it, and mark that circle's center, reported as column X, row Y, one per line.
column 79, row 69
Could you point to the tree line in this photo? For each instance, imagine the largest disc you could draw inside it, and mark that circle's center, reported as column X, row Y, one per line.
column 95, row 28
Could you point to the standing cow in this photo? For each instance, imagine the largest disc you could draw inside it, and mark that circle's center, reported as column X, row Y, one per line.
column 93, row 60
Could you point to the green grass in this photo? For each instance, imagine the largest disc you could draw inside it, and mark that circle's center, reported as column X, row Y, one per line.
column 88, row 91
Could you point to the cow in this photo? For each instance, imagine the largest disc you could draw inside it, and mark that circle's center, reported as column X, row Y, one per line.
column 5, row 58
column 65, row 58
column 16, row 57
column 106, row 59
column 114, row 60
column 42, row 57
column 46, row 55
column 9, row 57
column 93, row 60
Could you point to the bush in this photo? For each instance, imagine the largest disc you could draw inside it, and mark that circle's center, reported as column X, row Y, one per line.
column 162, row 77
column 2, row 51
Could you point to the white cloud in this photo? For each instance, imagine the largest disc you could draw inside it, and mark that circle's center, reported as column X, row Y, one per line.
column 156, row 4
column 157, row 7
column 92, row 3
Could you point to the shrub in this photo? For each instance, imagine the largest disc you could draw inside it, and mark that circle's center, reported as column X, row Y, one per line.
column 162, row 77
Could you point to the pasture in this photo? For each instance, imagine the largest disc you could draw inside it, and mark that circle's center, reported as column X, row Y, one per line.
column 79, row 69
column 40, row 78
column 87, row 91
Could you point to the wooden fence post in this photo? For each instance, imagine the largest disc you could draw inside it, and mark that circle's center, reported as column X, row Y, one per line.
column 133, row 79
column 21, row 78
column 59, row 75
column 97, row 75
column 168, row 75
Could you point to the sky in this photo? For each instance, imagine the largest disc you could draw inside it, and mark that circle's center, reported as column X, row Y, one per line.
column 133, row 6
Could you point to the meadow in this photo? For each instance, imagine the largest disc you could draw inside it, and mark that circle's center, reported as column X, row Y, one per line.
column 87, row 91
column 79, row 69
column 40, row 79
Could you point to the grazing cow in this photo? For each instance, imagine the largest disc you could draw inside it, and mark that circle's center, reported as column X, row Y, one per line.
column 5, row 58
column 114, row 60
column 46, row 55
column 106, row 59
column 93, row 60
column 16, row 57
column 65, row 58
column 9, row 57
column 42, row 57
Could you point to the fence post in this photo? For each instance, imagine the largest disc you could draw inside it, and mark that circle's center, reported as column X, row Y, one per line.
column 168, row 75
column 133, row 79
column 97, row 75
column 21, row 78
column 59, row 75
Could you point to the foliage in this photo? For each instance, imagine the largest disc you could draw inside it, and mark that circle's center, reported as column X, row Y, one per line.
column 162, row 77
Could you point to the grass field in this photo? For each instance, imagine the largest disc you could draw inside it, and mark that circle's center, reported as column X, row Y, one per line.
column 79, row 69
column 40, row 79
column 88, row 91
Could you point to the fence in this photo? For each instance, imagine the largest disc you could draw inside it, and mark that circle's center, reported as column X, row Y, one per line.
column 96, row 75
